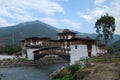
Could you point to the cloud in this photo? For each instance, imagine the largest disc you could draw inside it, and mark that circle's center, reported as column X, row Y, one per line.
column 25, row 10
column 3, row 22
column 62, row 0
column 113, row 8
column 71, row 23
column 98, row 12
column 92, row 15
column 98, row 2
column 48, row 7
column 5, row 12
column 85, row 16
column 50, row 21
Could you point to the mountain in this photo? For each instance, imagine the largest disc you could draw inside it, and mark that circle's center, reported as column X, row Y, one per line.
column 13, row 34
column 116, row 45
column 93, row 36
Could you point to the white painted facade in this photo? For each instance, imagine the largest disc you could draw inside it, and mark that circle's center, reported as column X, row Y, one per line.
column 69, row 36
column 81, row 52
column 65, row 37
column 30, row 53
column 94, row 50
column 76, row 54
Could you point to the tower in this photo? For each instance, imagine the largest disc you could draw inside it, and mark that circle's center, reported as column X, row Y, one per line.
column 66, row 34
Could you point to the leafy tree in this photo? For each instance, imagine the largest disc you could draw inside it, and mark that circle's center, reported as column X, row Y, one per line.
column 105, row 27
column 10, row 50
column 110, row 50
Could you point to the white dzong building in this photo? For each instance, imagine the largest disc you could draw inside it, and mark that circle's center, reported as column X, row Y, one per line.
column 82, row 48
column 67, row 43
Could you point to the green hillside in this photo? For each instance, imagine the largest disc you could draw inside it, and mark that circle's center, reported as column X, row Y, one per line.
column 13, row 34
column 116, row 45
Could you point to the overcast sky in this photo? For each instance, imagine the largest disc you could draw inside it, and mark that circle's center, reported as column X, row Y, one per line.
column 79, row 15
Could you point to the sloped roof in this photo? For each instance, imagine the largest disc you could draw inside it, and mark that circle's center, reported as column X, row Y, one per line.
column 81, row 39
column 66, row 31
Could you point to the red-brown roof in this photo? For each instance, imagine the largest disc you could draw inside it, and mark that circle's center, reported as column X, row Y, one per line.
column 33, row 38
column 44, row 38
column 66, row 31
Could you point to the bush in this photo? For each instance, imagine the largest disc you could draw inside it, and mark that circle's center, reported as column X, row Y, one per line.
column 58, row 76
column 73, row 68
column 68, row 74
column 110, row 50
column 68, row 77
column 10, row 50
column 65, row 77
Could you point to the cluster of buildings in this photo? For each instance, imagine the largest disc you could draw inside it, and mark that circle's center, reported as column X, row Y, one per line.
column 67, row 46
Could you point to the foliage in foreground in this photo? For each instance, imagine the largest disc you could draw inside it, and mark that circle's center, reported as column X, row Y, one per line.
column 69, row 74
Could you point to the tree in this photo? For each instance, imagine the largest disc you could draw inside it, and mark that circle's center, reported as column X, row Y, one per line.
column 110, row 50
column 10, row 50
column 105, row 27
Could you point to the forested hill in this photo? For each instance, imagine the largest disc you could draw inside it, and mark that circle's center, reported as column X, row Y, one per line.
column 116, row 45
column 13, row 34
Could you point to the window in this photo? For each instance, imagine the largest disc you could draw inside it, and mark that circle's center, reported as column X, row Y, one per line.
column 75, row 46
column 89, row 54
column 89, row 47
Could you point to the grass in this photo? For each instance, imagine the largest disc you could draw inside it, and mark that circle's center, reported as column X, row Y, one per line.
column 102, row 59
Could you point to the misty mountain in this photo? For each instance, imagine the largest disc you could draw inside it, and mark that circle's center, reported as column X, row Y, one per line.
column 116, row 45
column 13, row 34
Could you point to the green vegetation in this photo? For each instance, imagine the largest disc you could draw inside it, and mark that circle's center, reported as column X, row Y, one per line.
column 9, row 49
column 116, row 45
column 22, row 59
column 13, row 34
column 73, row 68
column 105, row 27
column 110, row 50
column 0, row 76
column 69, row 73
column 75, row 72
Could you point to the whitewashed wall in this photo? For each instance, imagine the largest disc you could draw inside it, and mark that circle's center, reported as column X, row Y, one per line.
column 76, row 54
column 80, row 52
column 30, row 54
column 94, row 50
column 69, row 37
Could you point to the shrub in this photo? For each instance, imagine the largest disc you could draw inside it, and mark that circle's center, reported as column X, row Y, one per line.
column 68, row 74
column 68, row 77
column 73, row 68
column 65, row 77
column 58, row 76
